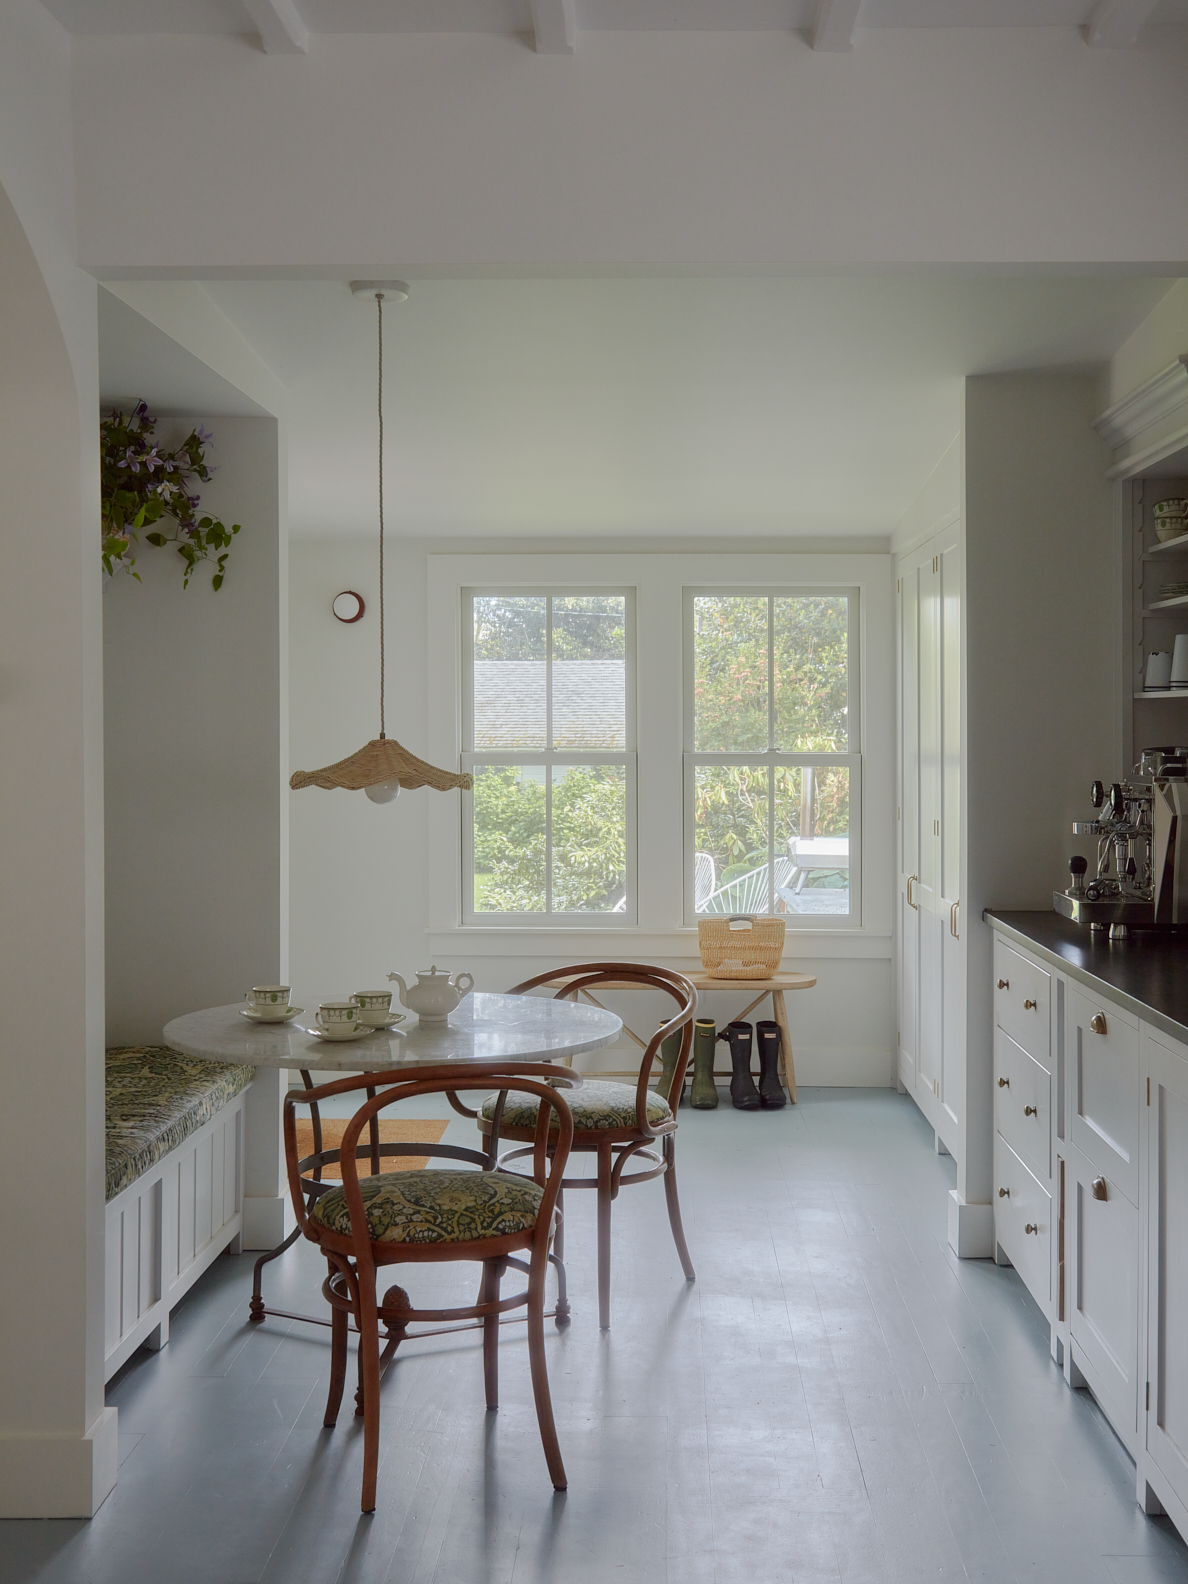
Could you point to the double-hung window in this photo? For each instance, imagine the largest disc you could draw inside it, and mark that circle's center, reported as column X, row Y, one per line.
column 549, row 736
column 772, row 787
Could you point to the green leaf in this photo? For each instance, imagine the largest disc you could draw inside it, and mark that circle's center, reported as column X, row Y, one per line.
column 157, row 539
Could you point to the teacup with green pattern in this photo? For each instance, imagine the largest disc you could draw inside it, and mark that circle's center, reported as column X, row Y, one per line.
column 338, row 1019
column 375, row 1006
column 270, row 1001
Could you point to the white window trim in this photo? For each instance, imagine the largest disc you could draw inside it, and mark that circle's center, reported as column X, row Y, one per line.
column 661, row 931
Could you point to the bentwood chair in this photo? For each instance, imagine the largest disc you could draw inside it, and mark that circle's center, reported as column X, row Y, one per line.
column 617, row 1123
column 427, row 1215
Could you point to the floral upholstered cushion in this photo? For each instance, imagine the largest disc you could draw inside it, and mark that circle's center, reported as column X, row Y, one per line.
column 156, row 1097
column 436, row 1206
column 594, row 1106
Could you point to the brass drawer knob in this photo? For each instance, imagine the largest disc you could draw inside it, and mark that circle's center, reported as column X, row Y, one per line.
column 1031, row 1006
column 1098, row 1188
column 1004, row 984
column 1031, row 1227
column 1031, row 1111
column 1098, row 1023
column 1004, row 1193
column 1004, row 1083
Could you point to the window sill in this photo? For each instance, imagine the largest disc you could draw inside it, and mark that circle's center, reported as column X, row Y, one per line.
column 601, row 945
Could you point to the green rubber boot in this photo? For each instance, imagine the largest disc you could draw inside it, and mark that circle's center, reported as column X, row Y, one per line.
column 669, row 1054
column 704, row 1095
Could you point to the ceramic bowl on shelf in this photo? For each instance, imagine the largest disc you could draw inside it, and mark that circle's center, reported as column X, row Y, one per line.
column 1170, row 528
column 1175, row 507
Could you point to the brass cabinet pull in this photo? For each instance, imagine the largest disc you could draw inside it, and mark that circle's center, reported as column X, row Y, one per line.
column 953, row 920
column 1098, row 1188
column 1004, row 1083
column 1098, row 1023
column 1004, row 984
column 912, row 880
column 1004, row 1193
column 1030, row 1006
column 1030, row 1111
column 1031, row 1227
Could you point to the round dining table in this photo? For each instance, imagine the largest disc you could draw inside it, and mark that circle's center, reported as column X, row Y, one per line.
column 485, row 1036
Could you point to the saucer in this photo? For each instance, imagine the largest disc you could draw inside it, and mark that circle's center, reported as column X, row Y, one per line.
column 255, row 1017
column 340, row 1039
column 389, row 1022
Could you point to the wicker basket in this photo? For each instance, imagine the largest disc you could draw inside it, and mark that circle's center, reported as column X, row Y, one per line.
column 752, row 951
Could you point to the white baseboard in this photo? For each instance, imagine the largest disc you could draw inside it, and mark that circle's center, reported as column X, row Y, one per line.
column 971, row 1228
column 59, row 1475
column 266, row 1221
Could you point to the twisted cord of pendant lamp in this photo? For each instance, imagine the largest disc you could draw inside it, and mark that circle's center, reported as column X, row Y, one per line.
column 379, row 309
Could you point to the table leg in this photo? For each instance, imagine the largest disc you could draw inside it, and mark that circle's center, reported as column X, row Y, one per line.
column 786, row 1058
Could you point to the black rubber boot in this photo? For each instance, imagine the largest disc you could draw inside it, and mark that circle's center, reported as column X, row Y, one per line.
column 771, row 1090
column 703, row 1095
column 743, row 1094
column 669, row 1054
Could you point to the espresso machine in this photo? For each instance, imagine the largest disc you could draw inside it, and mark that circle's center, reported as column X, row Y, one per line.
column 1142, row 851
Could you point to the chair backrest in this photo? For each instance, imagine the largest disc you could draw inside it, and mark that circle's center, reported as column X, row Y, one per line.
column 570, row 982
column 548, row 1157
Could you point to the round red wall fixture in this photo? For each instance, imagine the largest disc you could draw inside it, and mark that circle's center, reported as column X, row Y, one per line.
column 348, row 606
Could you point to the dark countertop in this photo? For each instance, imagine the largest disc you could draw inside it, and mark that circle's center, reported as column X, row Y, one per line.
column 1147, row 974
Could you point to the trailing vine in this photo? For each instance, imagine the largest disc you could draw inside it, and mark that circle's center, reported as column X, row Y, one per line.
column 142, row 483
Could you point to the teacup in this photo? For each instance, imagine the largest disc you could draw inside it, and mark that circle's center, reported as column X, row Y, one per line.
column 375, row 1006
column 269, row 1001
column 338, row 1019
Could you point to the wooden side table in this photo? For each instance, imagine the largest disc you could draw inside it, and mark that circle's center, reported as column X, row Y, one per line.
column 775, row 987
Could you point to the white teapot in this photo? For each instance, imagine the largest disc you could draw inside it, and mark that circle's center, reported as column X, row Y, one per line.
column 435, row 994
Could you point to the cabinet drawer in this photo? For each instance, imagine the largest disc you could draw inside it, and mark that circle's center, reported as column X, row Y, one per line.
column 1103, row 1088
column 1023, row 1001
column 1101, row 1235
column 1023, row 1104
column 1020, row 1202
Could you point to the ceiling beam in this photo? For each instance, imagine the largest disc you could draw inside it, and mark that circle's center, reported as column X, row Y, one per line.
column 279, row 24
column 835, row 24
column 555, row 26
column 1116, row 24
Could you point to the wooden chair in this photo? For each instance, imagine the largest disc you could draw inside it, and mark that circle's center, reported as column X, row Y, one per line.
column 613, row 1121
column 431, row 1215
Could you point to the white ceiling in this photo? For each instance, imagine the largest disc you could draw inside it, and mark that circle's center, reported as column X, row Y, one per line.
column 805, row 406
column 234, row 17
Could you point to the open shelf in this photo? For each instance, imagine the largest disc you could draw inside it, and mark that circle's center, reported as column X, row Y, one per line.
column 1168, row 547
column 1159, row 606
column 1180, row 693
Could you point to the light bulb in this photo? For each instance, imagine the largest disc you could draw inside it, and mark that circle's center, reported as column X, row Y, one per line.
column 384, row 791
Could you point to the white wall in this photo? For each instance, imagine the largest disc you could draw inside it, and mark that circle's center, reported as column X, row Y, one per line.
column 640, row 151
column 57, row 1441
column 362, row 874
column 1158, row 341
column 192, row 727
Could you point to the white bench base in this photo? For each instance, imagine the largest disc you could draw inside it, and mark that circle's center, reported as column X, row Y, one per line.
column 168, row 1227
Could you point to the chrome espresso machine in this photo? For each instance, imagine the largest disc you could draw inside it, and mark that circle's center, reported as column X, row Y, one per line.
column 1142, row 851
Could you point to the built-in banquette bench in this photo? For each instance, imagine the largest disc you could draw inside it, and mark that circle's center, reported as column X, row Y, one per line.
column 174, row 1186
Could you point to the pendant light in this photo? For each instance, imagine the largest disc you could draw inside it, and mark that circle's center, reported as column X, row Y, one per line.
column 382, row 767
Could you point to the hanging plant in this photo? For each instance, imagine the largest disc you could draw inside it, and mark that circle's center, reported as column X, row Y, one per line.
column 142, row 483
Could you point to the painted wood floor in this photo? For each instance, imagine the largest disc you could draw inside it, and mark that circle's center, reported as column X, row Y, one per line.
column 837, row 1398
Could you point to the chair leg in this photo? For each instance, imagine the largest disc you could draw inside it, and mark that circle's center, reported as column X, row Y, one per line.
column 369, row 1373
column 339, row 1321
column 540, row 1375
column 557, row 1261
column 492, row 1272
column 604, row 1238
column 674, row 1207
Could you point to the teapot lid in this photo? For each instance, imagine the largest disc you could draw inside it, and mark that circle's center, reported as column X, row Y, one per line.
column 434, row 972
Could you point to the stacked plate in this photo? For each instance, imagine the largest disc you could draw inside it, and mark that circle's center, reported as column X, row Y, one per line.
column 1172, row 590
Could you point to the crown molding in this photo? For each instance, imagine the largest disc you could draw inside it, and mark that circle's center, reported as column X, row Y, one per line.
column 1155, row 401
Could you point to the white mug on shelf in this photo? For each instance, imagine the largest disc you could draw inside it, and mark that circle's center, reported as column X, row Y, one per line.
column 1159, row 664
column 1179, row 665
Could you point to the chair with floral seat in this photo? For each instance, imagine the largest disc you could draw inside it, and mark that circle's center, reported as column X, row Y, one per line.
column 618, row 1123
column 396, row 1217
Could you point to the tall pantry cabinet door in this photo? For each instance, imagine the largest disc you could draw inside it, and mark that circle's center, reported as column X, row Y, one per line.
column 933, row 921
column 952, row 1078
column 1167, row 1265
column 909, row 818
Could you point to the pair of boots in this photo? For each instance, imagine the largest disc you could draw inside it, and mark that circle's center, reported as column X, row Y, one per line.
column 744, row 1096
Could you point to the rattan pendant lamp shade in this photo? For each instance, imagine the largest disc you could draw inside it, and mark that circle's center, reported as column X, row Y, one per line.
column 383, row 767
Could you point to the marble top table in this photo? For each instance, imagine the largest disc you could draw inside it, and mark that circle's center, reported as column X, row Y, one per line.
column 484, row 1028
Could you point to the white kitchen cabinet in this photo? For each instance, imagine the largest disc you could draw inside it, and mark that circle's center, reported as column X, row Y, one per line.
column 932, row 959
column 1165, row 1465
